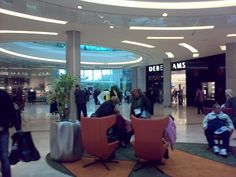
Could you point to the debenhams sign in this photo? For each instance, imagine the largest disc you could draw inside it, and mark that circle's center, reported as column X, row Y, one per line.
column 175, row 66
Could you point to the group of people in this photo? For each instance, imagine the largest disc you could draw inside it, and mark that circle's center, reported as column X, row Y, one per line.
column 122, row 129
column 220, row 124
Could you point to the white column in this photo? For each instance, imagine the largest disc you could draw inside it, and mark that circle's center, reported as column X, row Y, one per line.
column 73, row 65
column 141, row 78
column 167, row 82
column 138, row 76
column 134, row 78
column 230, row 65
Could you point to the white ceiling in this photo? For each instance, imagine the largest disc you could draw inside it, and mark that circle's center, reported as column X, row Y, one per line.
column 93, row 22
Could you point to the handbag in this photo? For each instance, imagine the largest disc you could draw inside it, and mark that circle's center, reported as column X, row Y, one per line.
column 26, row 150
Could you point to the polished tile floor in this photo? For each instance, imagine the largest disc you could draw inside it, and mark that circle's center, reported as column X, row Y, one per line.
column 37, row 120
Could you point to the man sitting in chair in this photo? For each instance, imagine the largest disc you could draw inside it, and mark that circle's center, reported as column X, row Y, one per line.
column 218, row 123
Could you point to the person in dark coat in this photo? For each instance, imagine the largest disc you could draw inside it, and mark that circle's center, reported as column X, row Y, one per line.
column 7, row 119
column 139, row 103
column 152, row 98
column 80, row 100
column 119, row 129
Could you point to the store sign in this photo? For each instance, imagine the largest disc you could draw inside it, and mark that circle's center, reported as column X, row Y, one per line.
column 178, row 65
column 14, row 73
column 18, row 73
column 155, row 68
column 175, row 66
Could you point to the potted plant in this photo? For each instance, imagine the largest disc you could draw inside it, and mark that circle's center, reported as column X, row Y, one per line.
column 63, row 87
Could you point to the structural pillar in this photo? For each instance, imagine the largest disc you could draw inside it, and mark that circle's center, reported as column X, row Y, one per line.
column 141, row 78
column 138, row 76
column 134, row 78
column 230, row 64
column 167, row 82
column 73, row 65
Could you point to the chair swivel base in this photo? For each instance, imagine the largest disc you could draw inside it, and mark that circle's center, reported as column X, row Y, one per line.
column 103, row 161
column 149, row 163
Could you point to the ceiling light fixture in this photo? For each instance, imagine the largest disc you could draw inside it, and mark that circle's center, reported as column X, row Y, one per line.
column 170, row 28
column 173, row 37
column 32, row 17
column 164, row 14
column 137, row 43
column 64, row 61
column 79, row 7
column 189, row 47
column 127, row 62
column 111, row 27
column 170, row 55
column 166, row 5
column 30, row 57
column 195, row 55
column 26, row 32
column 231, row 35
column 223, row 47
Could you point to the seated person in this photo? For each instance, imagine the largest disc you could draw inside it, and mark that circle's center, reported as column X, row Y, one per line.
column 119, row 129
column 213, row 122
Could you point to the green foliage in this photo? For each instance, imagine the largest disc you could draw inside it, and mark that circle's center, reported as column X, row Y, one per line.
column 63, row 87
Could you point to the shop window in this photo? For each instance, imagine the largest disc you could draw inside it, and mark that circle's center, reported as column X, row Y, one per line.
column 209, row 90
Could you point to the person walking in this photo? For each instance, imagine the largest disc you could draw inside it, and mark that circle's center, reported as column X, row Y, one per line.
column 200, row 98
column 7, row 119
column 80, row 100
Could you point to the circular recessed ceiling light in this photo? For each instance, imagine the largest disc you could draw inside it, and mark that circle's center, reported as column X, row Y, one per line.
column 164, row 14
column 79, row 7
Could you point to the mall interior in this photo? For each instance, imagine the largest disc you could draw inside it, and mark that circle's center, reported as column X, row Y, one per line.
column 166, row 45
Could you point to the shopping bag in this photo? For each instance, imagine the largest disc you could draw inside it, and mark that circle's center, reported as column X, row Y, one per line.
column 14, row 156
column 26, row 149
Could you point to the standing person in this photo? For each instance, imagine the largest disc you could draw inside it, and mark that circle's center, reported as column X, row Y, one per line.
column 80, row 100
column 174, row 94
column 7, row 119
column 139, row 103
column 53, row 102
column 200, row 98
column 212, row 122
column 231, row 103
column 152, row 98
column 19, row 97
column 180, row 95
column 95, row 95
column 34, row 97
column 19, row 104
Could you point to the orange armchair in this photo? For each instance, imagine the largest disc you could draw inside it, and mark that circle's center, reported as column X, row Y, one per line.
column 94, row 138
column 148, row 143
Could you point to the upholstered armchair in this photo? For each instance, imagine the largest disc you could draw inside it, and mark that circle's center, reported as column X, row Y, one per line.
column 94, row 138
column 148, row 142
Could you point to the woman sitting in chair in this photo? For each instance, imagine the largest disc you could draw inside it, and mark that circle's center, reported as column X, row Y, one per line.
column 119, row 130
column 218, row 123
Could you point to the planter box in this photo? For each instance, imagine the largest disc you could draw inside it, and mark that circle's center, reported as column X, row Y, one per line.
column 65, row 141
